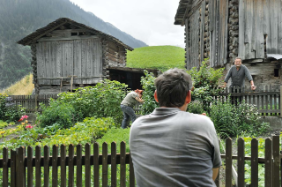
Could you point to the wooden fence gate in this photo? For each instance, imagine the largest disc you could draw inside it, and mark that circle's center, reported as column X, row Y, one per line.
column 83, row 166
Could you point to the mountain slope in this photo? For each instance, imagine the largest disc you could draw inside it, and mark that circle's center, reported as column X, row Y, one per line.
column 20, row 18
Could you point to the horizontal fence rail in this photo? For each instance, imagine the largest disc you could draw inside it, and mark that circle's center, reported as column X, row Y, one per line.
column 85, row 167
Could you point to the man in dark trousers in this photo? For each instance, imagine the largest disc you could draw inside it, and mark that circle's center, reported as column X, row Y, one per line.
column 171, row 147
column 237, row 73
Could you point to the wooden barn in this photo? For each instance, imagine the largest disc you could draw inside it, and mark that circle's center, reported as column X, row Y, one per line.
column 222, row 30
column 67, row 55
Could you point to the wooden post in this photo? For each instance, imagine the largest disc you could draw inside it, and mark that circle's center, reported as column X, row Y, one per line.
column 122, row 164
column 105, row 164
column 280, row 101
column 268, row 162
column 276, row 156
column 20, row 167
column 228, row 162
column 36, row 98
column 241, row 162
column 113, row 164
column 96, row 164
column 13, row 168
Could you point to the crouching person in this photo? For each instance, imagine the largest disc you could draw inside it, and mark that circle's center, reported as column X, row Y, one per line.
column 171, row 147
column 127, row 104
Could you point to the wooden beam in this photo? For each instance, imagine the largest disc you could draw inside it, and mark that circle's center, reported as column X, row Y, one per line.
column 67, row 38
column 46, row 32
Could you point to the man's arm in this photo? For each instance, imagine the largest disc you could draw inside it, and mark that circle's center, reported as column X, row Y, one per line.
column 227, row 77
column 214, row 173
column 250, row 78
column 140, row 100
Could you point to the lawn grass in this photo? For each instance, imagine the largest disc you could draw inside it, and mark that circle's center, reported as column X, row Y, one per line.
column 159, row 57
column 115, row 135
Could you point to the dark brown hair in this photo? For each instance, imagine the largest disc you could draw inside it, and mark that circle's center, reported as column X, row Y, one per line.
column 172, row 87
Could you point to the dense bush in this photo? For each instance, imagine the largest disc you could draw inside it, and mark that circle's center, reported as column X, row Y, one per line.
column 58, row 112
column 206, row 82
column 231, row 120
column 195, row 107
column 11, row 113
column 149, row 88
column 102, row 100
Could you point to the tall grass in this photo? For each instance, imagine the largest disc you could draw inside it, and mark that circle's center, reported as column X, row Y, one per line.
column 22, row 87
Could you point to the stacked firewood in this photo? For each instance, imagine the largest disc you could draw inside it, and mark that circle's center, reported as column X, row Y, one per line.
column 106, row 72
column 34, row 68
column 206, row 32
column 233, row 29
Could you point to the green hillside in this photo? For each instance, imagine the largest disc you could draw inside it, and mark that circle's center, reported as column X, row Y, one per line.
column 160, row 57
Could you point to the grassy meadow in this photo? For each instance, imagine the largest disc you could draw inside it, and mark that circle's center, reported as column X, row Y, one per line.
column 159, row 57
column 22, row 87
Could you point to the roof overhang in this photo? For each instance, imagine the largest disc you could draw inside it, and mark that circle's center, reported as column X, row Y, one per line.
column 135, row 70
column 183, row 7
column 33, row 37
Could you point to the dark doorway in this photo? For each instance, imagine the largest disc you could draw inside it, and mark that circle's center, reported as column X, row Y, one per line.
column 132, row 79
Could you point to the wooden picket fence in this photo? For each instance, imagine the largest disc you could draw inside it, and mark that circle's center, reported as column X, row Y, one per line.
column 31, row 102
column 266, row 98
column 20, row 167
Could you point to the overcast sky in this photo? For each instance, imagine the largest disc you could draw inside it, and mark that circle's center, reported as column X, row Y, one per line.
column 150, row 21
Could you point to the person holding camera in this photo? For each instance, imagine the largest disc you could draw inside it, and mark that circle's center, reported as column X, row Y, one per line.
column 127, row 104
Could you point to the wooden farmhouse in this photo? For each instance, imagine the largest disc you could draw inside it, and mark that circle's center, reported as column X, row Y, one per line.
column 67, row 55
column 222, row 30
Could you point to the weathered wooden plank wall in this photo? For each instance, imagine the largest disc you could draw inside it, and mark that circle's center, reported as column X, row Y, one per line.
column 116, row 55
column 193, row 40
column 219, row 14
column 62, row 59
column 260, row 28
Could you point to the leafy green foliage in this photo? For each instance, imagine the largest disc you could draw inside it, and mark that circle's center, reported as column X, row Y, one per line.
column 81, row 133
column 231, row 120
column 102, row 100
column 160, row 57
column 58, row 112
column 205, row 82
column 148, row 95
column 11, row 113
column 195, row 107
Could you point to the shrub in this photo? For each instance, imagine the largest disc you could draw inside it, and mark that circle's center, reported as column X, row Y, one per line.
column 205, row 82
column 232, row 120
column 102, row 100
column 195, row 107
column 11, row 113
column 58, row 112
column 149, row 88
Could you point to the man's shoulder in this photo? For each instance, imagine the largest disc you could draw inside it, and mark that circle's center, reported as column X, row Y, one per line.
column 245, row 67
column 198, row 118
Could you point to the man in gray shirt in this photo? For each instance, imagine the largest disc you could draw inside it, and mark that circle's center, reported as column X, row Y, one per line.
column 171, row 147
column 237, row 73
